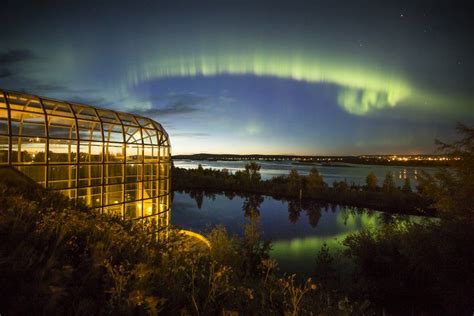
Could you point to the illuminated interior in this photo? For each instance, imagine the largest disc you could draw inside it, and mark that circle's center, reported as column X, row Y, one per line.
column 114, row 162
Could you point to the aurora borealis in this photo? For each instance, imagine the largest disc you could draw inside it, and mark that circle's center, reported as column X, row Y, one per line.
column 255, row 76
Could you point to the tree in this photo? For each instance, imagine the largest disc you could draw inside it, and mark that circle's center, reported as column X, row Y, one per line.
column 426, row 264
column 452, row 188
column 294, row 182
column 388, row 183
column 253, row 170
column 406, row 185
column 314, row 181
column 340, row 186
column 324, row 272
column 371, row 181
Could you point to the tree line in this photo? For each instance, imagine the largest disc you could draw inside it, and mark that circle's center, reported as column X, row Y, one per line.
column 387, row 197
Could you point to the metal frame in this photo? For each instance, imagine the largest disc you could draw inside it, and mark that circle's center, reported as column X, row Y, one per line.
column 149, row 202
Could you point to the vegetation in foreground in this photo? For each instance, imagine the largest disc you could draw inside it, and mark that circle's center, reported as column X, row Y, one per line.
column 422, row 267
column 56, row 258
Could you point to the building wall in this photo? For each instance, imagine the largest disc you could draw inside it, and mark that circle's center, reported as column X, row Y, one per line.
column 114, row 162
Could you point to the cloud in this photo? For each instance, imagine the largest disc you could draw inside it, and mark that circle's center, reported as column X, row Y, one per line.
column 9, row 58
column 15, row 55
column 190, row 134
column 182, row 103
column 4, row 73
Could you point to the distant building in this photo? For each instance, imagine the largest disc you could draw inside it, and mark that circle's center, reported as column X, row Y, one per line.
column 115, row 162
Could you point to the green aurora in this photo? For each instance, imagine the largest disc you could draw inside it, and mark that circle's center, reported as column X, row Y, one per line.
column 362, row 87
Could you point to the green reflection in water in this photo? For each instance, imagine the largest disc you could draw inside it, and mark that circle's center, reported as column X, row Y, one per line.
column 298, row 254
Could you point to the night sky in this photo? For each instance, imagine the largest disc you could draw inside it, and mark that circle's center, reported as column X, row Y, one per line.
column 316, row 77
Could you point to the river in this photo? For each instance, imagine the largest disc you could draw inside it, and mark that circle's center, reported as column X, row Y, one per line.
column 353, row 173
column 296, row 234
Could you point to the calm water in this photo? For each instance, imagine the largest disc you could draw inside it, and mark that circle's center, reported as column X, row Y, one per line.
column 296, row 234
column 351, row 172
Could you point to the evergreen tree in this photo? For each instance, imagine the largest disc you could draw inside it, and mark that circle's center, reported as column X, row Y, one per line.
column 314, row 181
column 388, row 183
column 294, row 182
column 371, row 181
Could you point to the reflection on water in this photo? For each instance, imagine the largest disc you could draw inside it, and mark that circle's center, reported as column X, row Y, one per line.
column 297, row 229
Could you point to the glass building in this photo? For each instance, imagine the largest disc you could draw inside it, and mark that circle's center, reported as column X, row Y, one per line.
column 114, row 162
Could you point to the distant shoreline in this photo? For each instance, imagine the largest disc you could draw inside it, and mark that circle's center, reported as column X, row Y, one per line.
column 333, row 161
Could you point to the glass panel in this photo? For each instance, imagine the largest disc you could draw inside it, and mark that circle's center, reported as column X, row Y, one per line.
column 163, row 186
column 133, row 191
column 151, row 153
column 113, row 194
column 85, row 112
column 3, row 104
column 134, row 153
column 150, row 172
column 163, row 219
column 61, row 177
column 27, row 124
column 114, row 173
column 90, row 151
column 157, row 126
column 133, row 210
column 4, row 149
column 164, row 153
column 164, row 141
column 28, row 150
column 164, row 171
column 91, row 196
column 150, row 189
column 108, row 116
column 37, row 173
column 150, row 136
column 114, row 152
column 24, row 103
column 90, row 175
column 70, row 193
column 89, row 130
column 113, row 133
column 60, row 127
column 133, row 134
column 62, row 151
column 144, row 122
column 127, row 119
column 53, row 107
column 150, row 207
column 3, row 121
column 133, row 172
column 114, row 210
column 163, row 203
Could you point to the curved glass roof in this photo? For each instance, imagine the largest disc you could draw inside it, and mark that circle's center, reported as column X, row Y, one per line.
column 113, row 161
column 92, row 123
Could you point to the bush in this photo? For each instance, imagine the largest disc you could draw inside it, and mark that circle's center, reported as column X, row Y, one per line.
column 57, row 258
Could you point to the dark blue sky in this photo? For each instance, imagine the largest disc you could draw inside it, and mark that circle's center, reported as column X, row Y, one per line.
column 315, row 77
